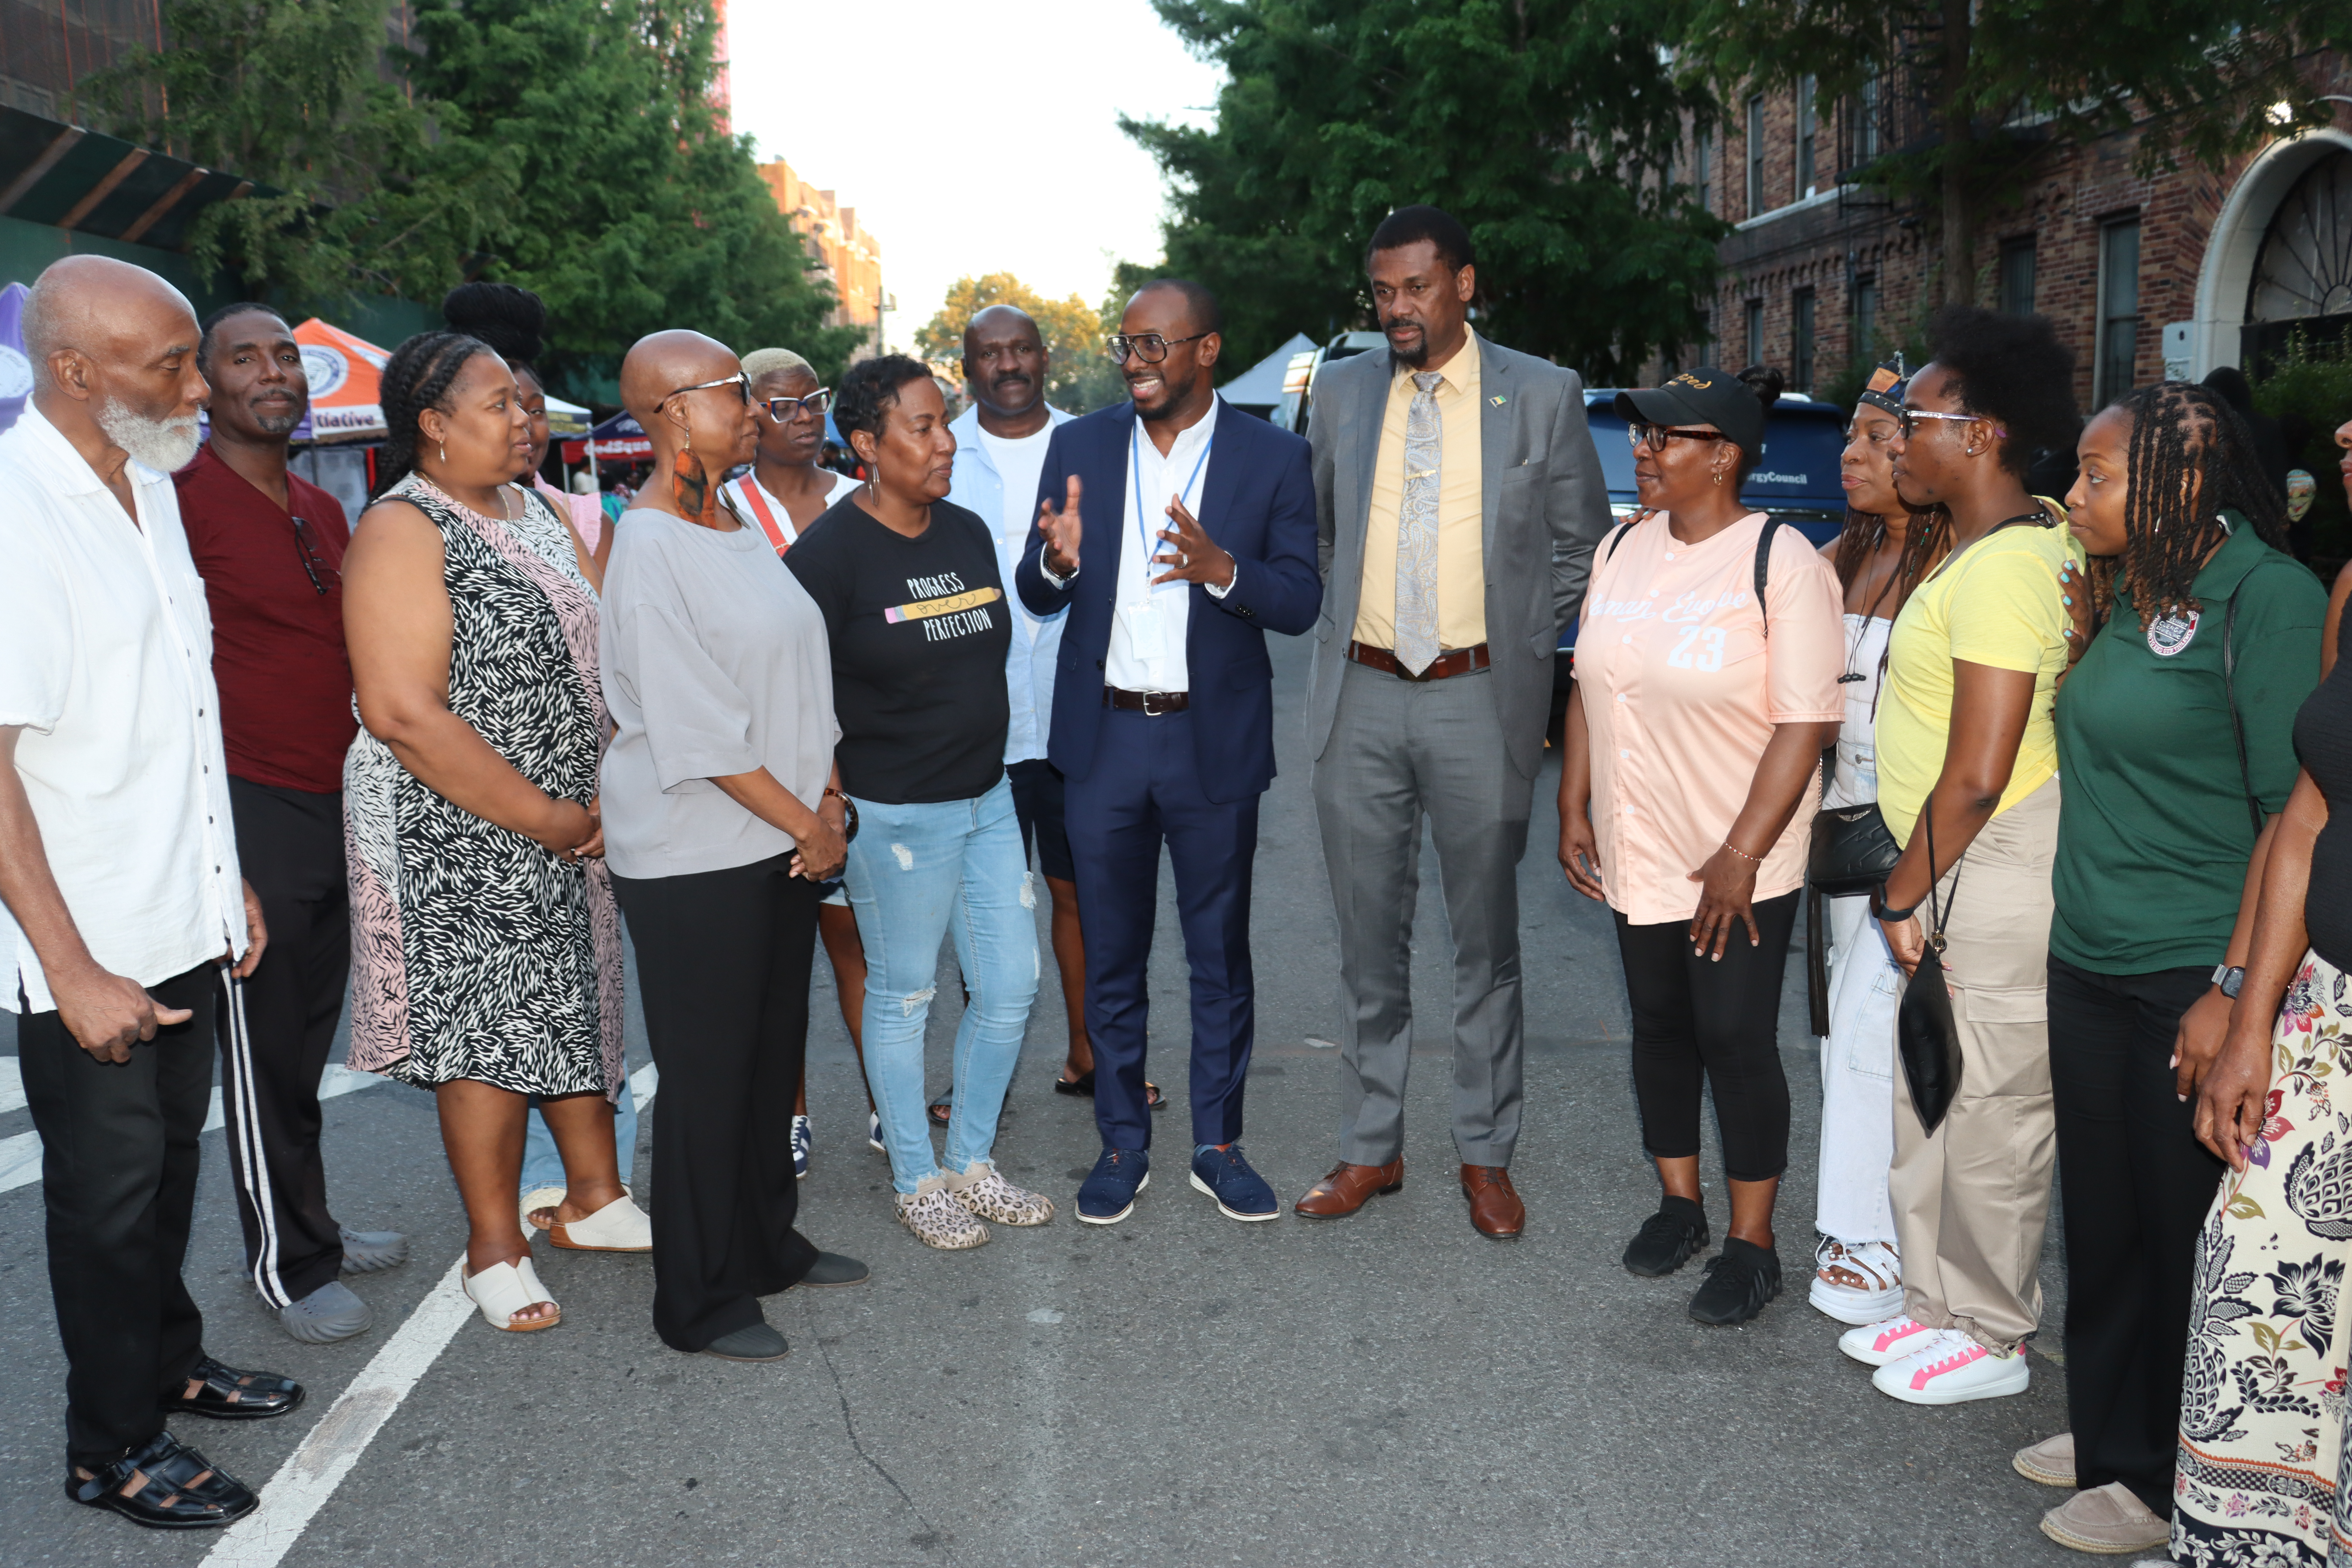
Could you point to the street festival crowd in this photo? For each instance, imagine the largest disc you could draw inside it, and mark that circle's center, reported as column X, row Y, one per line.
column 2060, row 766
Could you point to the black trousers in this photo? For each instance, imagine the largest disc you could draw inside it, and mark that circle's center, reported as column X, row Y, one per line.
column 723, row 966
column 2137, row 1185
column 275, row 1030
column 1694, row 1016
column 118, row 1182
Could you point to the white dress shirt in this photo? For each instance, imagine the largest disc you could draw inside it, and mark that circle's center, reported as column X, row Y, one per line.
column 106, row 662
column 1147, row 632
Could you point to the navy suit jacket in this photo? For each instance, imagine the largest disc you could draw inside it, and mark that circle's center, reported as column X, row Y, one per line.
column 1258, row 503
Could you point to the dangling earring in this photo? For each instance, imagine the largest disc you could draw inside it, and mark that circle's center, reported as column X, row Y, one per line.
column 1719, row 476
column 444, row 454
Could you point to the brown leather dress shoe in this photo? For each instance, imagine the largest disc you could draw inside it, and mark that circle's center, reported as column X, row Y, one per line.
column 1349, row 1188
column 1495, row 1206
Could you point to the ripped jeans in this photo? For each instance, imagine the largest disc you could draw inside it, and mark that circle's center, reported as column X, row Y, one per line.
column 916, row 873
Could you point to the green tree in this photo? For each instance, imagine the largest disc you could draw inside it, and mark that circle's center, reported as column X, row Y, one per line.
column 1079, row 378
column 1977, row 88
column 1548, row 127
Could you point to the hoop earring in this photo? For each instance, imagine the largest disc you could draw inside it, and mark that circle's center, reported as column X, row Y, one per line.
column 1719, row 476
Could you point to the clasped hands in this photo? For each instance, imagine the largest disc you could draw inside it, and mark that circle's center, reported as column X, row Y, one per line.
column 1197, row 557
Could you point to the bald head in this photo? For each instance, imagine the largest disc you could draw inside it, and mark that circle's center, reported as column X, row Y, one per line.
column 1004, row 364
column 113, row 349
column 660, row 363
column 108, row 311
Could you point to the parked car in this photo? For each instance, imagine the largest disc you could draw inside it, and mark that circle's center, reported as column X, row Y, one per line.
column 1298, row 377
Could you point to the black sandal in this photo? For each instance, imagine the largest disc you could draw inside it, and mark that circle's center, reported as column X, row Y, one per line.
column 1085, row 1084
column 178, row 1488
column 225, row 1393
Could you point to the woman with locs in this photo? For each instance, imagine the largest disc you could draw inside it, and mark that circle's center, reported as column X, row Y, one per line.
column 1706, row 666
column 1880, row 556
column 486, row 950
column 723, row 813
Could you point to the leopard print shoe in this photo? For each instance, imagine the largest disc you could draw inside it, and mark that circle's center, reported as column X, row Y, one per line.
column 936, row 1219
column 984, row 1192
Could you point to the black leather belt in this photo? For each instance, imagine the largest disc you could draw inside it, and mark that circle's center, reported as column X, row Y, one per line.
column 1457, row 661
column 1155, row 703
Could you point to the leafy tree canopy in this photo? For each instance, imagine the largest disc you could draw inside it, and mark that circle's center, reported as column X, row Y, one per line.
column 1548, row 127
column 567, row 145
column 1974, row 88
column 1079, row 378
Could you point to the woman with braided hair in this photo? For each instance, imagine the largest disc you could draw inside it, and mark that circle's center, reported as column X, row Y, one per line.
column 2174, row 740
column 486, row 947
column 1883, row 553
column 513, row 321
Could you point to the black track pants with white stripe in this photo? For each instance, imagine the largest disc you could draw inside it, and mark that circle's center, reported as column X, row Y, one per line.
column 276, row 1031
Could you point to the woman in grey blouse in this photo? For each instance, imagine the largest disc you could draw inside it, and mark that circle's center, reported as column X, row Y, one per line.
column 721, row 816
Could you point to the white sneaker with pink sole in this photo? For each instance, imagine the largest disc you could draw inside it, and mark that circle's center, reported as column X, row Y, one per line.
column 1953, row 1370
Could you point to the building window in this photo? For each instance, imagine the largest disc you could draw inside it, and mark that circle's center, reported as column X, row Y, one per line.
column 1756, row 155
column 2118, row 309
column 1807, row 125
column 1867, row 142
column 1865, row 320
column 1701, row 150
column 2016, row 282
column 1801, row 339
column 1754, row 333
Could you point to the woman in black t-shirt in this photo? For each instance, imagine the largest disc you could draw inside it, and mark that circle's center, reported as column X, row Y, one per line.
column 2277, row 1246
column 919, row 629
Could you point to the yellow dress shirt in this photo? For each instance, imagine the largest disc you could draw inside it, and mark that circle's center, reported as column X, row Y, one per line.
column 1461, row 546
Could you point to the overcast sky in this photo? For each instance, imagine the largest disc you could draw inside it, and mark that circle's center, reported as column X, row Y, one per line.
column 972, row 138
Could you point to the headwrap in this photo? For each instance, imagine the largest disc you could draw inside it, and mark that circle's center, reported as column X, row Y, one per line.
column 1886, row 383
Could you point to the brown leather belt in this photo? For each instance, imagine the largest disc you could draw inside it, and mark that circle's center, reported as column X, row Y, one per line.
column 1457, row 661
column 1155, row 703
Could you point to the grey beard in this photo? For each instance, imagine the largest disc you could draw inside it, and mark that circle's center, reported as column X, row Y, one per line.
column 276, row 423
column 163, row 445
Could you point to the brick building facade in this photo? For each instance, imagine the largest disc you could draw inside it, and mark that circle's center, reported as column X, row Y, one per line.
column 850, row 255
column 2143, row 276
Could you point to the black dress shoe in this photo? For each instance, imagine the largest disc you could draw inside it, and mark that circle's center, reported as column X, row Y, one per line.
column 832, row 1268
column 170, row 1494
column 1739, row 1280
column 1667, row 1239
column 225, row 1393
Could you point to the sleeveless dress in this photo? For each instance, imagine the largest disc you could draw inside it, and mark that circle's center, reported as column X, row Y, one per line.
column 476, row 954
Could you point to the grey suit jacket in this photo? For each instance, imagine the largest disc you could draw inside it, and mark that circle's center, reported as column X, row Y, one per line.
column 1545, row 509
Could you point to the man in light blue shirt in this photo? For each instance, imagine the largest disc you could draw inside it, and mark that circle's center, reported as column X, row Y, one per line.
column 1000, row 451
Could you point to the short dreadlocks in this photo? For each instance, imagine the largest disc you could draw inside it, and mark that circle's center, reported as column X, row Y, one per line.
column 2190, row 458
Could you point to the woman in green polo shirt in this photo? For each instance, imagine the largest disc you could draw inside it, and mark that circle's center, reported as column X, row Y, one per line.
column 2174, row 739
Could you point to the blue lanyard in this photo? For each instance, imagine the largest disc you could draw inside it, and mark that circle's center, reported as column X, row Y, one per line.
column 1135, row 473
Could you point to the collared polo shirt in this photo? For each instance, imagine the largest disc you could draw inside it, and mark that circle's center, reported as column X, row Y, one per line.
column 1461, row 515
column 1682, row 688
column 106, row 654
column 2154, row 833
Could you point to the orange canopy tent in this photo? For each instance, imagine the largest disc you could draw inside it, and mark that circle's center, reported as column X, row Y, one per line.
column 346, row 384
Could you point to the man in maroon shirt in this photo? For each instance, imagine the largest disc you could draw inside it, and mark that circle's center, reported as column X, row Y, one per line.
column 270, row 546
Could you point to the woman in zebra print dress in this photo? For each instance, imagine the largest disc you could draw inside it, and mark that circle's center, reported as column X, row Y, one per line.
column 486, row 949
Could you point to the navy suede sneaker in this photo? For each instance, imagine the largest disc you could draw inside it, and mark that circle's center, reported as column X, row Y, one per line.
column 1107, row 1195
column 1241, row 1192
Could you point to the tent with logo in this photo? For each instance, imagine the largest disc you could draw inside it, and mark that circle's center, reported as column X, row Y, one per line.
column 620, row 439
column 346, row 375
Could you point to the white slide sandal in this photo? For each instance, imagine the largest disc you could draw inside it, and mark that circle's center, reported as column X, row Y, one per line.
column 505, row 1288
column 619, row 1226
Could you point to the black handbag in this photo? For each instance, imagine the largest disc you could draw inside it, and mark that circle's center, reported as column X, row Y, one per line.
column 1927, row 1036
column 1852, row 852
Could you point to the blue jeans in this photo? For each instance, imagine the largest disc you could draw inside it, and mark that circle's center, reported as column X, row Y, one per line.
column 916, row 873
column 543, row 1167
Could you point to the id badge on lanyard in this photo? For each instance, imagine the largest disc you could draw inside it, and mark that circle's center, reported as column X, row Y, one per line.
column 1151, row 620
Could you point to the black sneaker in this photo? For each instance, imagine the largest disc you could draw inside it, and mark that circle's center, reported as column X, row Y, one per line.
column 1739, row 1280
column 1667, row 1239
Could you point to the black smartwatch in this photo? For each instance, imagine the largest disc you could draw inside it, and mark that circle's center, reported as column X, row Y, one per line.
column 2230, row 979
column 1878, row 898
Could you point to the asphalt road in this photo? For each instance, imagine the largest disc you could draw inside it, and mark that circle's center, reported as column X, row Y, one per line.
column 1177, row 1389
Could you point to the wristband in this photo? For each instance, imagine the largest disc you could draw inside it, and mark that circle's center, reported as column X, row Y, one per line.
column 1878, row 897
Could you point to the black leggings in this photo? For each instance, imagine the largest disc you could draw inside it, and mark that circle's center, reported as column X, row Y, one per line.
column 1693, row 1015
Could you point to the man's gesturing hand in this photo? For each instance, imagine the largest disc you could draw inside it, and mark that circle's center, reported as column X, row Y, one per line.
column 1061, row 529
column 1196, row 557
column 107, row 1015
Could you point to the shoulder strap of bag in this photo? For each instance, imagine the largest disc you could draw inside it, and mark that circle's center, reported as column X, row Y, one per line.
column 1937, row 913
column 1615, row 539
column 2237, row 725
column 1771, row 530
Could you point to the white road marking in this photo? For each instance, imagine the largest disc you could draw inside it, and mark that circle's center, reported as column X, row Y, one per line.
column 11, row 1086
column 312, row 1473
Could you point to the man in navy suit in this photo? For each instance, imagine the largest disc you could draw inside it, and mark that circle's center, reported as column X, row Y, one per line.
column 1202, row 540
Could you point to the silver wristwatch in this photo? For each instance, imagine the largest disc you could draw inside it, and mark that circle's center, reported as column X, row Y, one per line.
column 2231, row 978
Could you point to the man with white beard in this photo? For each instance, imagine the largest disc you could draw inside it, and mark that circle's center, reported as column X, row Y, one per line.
column 124, row 914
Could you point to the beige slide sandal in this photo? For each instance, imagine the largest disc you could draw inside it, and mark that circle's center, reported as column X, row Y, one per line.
column 505, row 1288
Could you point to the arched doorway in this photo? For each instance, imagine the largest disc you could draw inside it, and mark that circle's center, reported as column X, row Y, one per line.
column 2217, row 334
column 2302, row 280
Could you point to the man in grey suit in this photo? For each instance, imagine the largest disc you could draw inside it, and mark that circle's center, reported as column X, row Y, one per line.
column 1459, row 501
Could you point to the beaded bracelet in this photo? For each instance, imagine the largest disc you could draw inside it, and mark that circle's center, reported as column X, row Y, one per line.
column 1744, row 855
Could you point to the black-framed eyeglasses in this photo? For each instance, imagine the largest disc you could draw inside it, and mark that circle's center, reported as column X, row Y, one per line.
column 738, row 380
column 1148, row 347
column 784, row 410
column 314, row 565
column 1639, row 434
column 1907, row 420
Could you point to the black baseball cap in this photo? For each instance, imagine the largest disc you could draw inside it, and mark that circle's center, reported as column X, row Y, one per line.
column 1708, row 395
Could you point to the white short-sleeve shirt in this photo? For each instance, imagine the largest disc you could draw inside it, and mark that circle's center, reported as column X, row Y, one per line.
column 106, row 652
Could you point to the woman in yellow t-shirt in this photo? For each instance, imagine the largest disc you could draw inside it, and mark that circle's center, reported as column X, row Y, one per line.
column 1968, row 782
